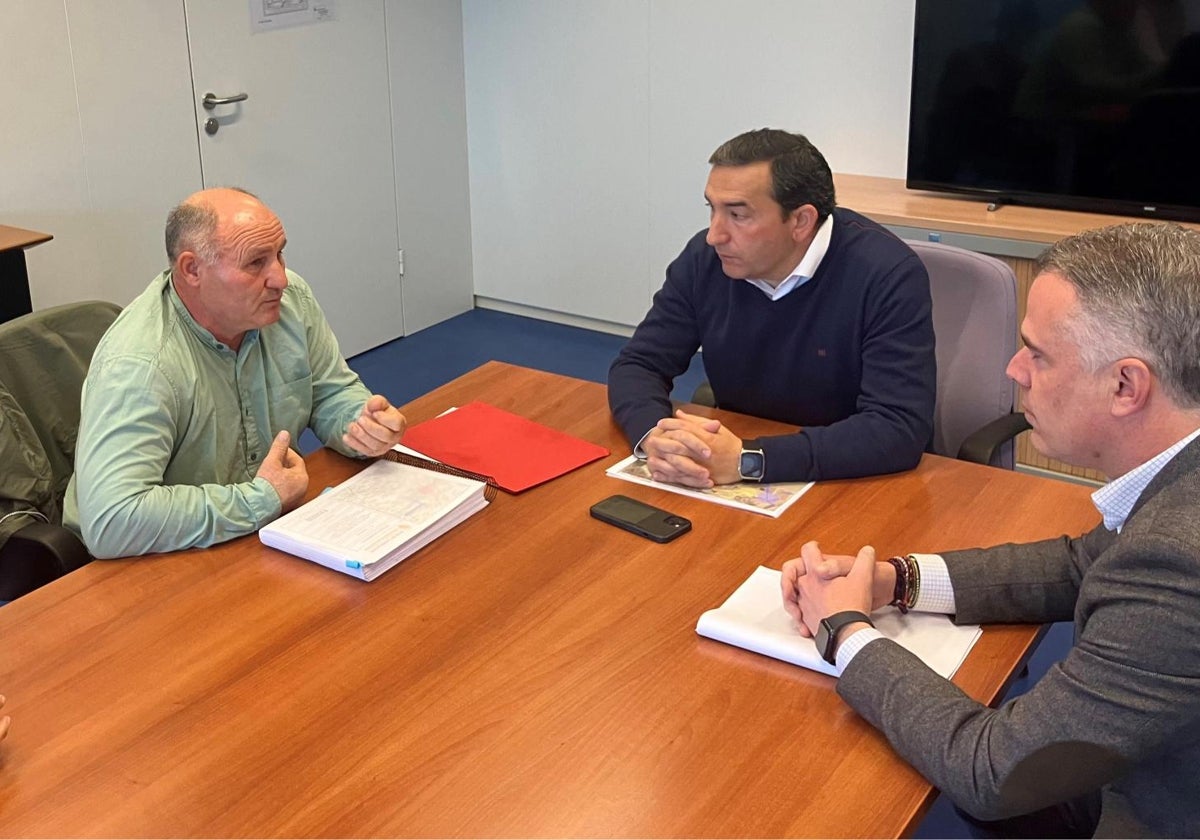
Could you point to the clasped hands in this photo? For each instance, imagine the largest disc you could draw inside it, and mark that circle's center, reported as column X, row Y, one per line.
column 378, row 428
column 816, row 585
column 693, row 451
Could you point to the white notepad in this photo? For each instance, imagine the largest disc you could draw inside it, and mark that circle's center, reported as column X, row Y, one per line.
column 753, row 618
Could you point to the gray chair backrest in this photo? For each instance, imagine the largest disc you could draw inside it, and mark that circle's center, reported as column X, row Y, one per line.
column 975, row 324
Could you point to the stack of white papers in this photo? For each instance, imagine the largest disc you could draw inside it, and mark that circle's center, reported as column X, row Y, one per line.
column 753, row 618
column 372, row 521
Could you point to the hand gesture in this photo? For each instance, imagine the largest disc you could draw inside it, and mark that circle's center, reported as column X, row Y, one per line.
column 284, row 469
column 377, row 429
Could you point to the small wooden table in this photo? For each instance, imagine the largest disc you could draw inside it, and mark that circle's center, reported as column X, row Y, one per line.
column 532, row 673
column 14, row 277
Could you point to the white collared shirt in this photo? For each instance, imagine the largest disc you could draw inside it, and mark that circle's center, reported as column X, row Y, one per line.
column 807, row 267
column 1116, row 499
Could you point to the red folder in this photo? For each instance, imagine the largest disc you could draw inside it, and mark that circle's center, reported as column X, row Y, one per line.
column 515, row 452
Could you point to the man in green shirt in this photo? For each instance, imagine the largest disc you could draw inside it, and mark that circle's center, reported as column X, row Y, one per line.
column 198, row 389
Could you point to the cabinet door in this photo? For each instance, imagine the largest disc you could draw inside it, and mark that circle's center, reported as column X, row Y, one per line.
column 313, row 139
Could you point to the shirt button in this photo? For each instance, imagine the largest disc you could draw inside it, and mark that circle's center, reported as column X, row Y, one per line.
column 253, row 456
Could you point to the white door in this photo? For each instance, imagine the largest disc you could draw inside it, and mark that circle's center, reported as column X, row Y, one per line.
column 313, row 139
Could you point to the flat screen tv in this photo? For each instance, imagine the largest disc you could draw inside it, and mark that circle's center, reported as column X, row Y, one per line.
column 1079, row 104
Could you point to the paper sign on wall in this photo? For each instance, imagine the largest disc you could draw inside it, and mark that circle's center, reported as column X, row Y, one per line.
column 268, row 15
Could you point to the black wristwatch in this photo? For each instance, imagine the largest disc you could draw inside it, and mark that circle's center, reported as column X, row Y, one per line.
column 827, row 632
column 752, row 464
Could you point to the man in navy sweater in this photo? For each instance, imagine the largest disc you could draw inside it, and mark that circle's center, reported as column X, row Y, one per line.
column 808, row 314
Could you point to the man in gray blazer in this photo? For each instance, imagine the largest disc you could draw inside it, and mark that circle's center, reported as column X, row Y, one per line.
column 1107, row 743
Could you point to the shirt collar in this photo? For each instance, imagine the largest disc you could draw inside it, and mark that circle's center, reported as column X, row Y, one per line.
column 1116, row 499
column 807, row 267
column 200, row 332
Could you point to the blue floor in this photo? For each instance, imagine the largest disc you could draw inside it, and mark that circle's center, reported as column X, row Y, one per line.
column 408, row 367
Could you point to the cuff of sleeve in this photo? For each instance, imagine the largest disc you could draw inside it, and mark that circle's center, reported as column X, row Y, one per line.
column 264, row 502
column 855, row 642
column 638, row 451
column 937, row 593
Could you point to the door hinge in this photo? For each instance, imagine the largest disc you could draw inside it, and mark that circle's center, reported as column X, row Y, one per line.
column 400, row 260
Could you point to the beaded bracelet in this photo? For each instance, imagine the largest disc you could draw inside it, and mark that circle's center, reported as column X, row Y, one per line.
column 900, row 593
column 914, row 591
column 908, row 582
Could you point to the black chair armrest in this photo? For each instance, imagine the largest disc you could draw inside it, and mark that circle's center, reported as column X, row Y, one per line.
column 703, row 395
column 980, row 446
column 36, row 555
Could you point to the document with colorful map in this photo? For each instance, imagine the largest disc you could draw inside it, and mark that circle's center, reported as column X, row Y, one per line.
column 767, row 499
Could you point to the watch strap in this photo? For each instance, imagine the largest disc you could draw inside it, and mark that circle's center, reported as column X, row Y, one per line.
column 829, row 628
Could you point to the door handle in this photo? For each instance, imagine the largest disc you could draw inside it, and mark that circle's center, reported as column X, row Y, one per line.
column 211, row 100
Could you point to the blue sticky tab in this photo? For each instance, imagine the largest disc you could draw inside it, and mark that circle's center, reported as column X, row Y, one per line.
column 353, row 564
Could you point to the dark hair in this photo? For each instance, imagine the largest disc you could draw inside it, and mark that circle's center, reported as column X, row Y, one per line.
column 1138, row 286
column 799, row 173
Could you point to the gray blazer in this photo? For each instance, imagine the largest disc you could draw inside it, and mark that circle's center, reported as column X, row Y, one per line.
column 1120, row 714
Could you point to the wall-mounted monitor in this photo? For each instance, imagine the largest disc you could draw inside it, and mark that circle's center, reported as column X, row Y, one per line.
column 1081, row 104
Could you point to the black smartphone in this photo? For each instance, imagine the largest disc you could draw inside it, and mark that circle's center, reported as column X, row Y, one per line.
column 640, row 518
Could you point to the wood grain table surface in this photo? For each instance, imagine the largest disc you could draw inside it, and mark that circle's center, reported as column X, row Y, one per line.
column 532, row 673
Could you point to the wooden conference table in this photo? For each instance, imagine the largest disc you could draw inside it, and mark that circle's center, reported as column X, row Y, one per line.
column 532, row 673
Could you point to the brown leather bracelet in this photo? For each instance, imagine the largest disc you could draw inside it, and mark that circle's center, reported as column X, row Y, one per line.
column 900, row 593
column 914, row 584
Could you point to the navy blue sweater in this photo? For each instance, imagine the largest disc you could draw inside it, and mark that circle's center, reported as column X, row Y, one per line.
column 848, row 355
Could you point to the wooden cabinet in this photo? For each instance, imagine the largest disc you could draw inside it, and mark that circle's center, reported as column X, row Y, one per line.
column 1013, row 233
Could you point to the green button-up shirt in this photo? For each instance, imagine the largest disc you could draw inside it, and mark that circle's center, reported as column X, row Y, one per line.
column 175, row 424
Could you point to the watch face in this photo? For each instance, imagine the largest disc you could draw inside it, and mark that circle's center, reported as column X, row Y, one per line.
column 751, row 464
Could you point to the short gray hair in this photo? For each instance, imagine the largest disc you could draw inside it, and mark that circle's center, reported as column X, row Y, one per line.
column 1138, row 286
column 192, row 226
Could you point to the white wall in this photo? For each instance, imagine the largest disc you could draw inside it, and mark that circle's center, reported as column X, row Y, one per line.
column 92, row 115
column 100, row 140
column 590, row 123
column 557, row 129
column 429, row 137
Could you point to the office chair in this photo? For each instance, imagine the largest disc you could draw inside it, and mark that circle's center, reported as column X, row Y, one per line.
column 44, row 357
column 975, row 324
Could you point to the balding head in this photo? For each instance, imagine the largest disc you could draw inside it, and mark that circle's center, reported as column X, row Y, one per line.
column 194, row 225
column 227, row 264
